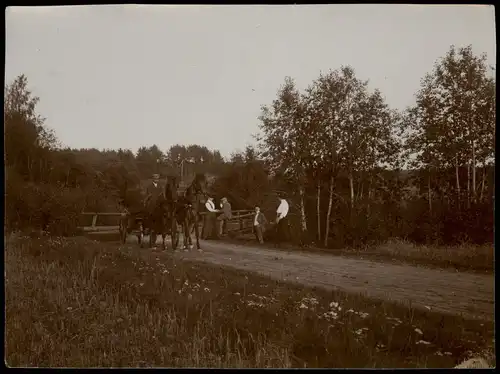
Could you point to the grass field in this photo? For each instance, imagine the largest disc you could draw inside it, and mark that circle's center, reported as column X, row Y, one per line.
column 78, row 303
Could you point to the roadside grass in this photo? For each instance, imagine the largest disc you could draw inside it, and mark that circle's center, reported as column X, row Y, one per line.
column 74, row 302
column 465, row 257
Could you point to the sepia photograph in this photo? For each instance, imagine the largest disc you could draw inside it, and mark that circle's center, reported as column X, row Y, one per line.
column 250, row 186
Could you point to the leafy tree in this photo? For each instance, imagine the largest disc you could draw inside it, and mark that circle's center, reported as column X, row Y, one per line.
column 285, row 141
column 333, row 98
column 150, row 160
column 452, row 124
column 27, row 140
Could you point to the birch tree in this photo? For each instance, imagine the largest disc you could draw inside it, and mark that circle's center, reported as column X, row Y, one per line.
column 286, row 139
column 329, row 106
column 452, row 123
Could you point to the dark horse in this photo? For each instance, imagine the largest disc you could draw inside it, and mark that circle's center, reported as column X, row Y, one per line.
column 172, row 206
column 159, row 220
column 188, row 213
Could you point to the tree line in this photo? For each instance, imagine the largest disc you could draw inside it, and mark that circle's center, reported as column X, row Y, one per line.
column 48, row 186
column 356, row 171
column 425, row 173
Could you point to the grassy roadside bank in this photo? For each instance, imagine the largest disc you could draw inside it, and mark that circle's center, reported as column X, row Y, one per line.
column 78, row 303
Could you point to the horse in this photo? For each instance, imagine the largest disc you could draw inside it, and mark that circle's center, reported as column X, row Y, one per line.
column 172, row 199
column 188, row 210
column 158, row 220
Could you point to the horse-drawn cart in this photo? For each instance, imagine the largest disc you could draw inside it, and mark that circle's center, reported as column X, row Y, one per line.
column 131, row 224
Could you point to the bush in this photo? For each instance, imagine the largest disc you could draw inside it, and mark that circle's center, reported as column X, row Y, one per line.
column 42, row 206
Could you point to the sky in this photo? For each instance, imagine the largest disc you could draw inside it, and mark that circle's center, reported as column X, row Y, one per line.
column 127, row 76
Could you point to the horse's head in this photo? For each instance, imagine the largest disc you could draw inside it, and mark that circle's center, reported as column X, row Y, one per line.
column 171, row 188
column 199, row 187
column 200, row 183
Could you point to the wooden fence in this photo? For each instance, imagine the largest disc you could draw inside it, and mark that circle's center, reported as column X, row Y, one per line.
column 240, row 222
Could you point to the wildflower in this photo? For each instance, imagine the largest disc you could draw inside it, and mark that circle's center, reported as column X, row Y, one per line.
column 423, row 342
column 252, row 303
column 69, row 308
column 329, row 315
column 334, row 304
column 206, row 289
column 360, row 331
column 350, row 311
column 237, row 293
column 165, row 271
column 186, row 283
column 303, row 306
column 418, row 331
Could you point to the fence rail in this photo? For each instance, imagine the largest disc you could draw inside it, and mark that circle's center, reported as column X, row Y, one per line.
column 238, row 216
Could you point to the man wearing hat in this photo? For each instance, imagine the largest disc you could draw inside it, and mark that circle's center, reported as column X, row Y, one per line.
column 209, row 219
column 223, row 218
column 153, row 191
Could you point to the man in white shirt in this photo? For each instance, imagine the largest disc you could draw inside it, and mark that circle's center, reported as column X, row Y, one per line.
column 281, row 220
column 210, row 217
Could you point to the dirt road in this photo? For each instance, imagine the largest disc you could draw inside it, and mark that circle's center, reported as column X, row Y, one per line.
column 471, row 295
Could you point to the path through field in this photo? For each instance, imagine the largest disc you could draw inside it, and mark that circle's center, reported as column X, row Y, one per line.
column 471, row 295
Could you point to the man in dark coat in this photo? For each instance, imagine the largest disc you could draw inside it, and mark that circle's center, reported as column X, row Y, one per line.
column 153, row 192
column 223, row 218
column 259, row 224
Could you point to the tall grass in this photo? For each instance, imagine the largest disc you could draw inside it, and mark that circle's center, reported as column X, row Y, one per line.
column 78, row 303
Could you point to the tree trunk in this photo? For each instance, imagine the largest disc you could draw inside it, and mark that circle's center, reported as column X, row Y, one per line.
column 468, row 184
column 318, row 210
column 457, row 176
column 30, row 174
column 473, row 172
column 66, row 184
column 481, row 196
column 351, row 188
column 351, row 210
column 368, row 205
column 303, row 220
column 429, row 192
column 330, row 203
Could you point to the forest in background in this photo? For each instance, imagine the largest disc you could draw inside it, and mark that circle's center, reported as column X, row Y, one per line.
column 356, row 171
